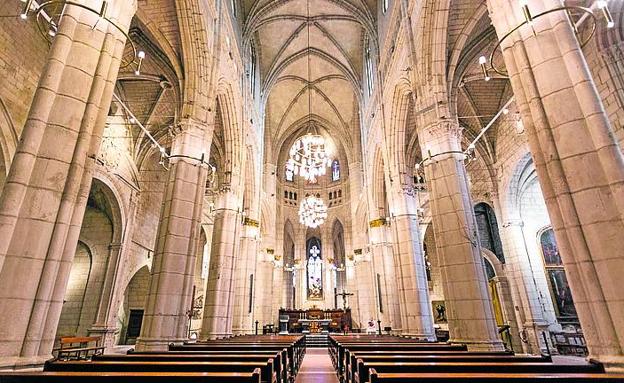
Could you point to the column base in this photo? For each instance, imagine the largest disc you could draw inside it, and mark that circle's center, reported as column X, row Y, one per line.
column 16, row 363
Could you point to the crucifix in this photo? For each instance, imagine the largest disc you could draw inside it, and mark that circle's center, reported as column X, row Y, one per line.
column 344, row 296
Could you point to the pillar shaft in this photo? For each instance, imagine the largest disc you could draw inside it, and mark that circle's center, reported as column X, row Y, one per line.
column 384, row 265
column 244, row 309
column 417, row 317
column 520, row 267
column 219, row 304
column 468, row 302
column 44, row 198
column 171, row 281
column 568, row 133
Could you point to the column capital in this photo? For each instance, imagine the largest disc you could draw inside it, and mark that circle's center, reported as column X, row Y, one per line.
column 443, row 135
column 444, row 128
column 191, row 140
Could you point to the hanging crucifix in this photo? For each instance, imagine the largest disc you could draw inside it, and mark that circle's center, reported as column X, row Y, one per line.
column 344, row 296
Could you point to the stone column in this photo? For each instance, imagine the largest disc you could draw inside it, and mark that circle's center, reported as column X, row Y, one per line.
column 171, row 281
column 263, row 290
column 568, row 133
column 520, row 269
column 277, row 299
column 44, row 198
column 219, row 304
column 384, row 265
column 245, row 270
column 468, row 302
column 364, row 290
column 416, row 314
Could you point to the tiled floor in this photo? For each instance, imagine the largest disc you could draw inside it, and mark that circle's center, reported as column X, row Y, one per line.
column 316, row 367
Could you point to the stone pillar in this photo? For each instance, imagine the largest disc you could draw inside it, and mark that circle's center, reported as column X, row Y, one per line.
column 468, row 302
column 568, row 133
column 263, row 289
column 384, row 264
column 219, row 304
column 416, row 314
column 171, row 280
column 364, row 290
column 277, row 299
column 245, row 270
column 520, row 271
column 44, row 198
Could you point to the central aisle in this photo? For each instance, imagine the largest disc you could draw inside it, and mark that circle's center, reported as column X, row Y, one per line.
column 316, row 367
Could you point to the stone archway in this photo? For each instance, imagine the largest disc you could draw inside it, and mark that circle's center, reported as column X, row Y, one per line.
column 130, row 315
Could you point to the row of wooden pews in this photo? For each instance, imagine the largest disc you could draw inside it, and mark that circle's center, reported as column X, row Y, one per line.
column 392, row 359
column 245, row 359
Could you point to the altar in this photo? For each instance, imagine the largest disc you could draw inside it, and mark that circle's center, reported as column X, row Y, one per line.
column 314, row 321
column 314, row 326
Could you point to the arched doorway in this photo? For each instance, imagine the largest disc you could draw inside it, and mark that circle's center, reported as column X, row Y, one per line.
column 84, row 304
column 131, row 312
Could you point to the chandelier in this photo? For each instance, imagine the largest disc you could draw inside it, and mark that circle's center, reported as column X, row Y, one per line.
column 312, row 212
column 308, row 155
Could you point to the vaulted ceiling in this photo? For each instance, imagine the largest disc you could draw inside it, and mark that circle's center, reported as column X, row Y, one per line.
column 336, row 31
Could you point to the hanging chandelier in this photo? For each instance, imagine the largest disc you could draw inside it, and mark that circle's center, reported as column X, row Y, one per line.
column 308, row 155
column 312, row 212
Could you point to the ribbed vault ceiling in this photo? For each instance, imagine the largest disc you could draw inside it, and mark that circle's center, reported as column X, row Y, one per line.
column 335, row 55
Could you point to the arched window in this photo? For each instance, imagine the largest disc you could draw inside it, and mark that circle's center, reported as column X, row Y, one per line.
column 289, row 174
column 335, row 171
column 314, row 268
column 488, row 230
column 559, row 288
column 369, row 70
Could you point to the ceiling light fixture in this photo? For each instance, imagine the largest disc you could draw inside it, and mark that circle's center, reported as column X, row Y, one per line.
column 312, row 212
column 48, row 23
column 529, row 19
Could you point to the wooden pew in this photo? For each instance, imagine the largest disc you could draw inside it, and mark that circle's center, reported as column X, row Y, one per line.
column 376, row 377
column 472, row 357
column 280, row 369
column 129, row 377
column 364, row 368
column 294, row 355
column 266, row 367
column 343, row 350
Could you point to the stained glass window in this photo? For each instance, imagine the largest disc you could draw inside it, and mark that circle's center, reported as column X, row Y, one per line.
column 314, row 268
column 335, row 170
column 289, row 174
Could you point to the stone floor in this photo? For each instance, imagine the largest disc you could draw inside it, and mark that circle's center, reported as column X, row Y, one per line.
column 316, row 367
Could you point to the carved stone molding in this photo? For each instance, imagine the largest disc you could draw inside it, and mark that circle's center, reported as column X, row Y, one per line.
column 445, row 128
